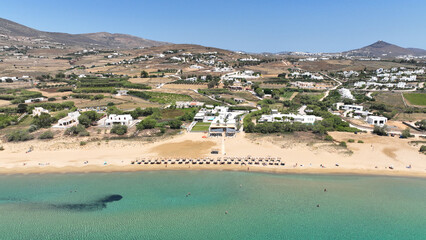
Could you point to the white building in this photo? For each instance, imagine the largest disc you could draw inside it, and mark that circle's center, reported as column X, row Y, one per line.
column 37, row 111
column 352, row 107
column 346, row 93
column 180, row 104
column 114, row 119
column 122, row 93
column 275, row 116
column 377, row 120
column 359, row 84
column 222, row 120
column 4, row 79
column 32, row 100
column 68, row 121
column 196, row 67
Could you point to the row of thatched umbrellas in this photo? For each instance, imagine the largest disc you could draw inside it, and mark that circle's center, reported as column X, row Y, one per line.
column 268, row 161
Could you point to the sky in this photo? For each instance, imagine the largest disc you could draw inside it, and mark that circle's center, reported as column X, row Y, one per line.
column 243, row 25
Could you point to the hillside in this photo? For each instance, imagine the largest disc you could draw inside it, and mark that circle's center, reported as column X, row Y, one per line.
column 384, row 49
column 14, row 33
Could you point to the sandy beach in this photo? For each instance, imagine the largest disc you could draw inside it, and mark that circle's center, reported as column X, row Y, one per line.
column 301, row 154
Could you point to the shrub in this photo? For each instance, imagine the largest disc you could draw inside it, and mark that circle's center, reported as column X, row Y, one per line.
column 77, row 130
column 351, row 140
column 82, row 143
column 32, row 128
column 147, row 123
column 1, row 148
column 381, row 131
column 406, row 133
column 119, row 129
column 360, row 141
column 43, row 121
column 423, row 149
column 19, row 135
column 421, row 124
column 175, row 124
column 86, row 118
column 46, row 135
column 84, row 134
column 328, row 138
column 343, row 144
column 51, row 99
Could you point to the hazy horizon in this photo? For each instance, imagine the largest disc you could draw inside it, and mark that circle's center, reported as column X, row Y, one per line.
column 274, row 26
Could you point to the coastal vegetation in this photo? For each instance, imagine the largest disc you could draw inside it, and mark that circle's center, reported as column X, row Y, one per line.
column 119, row 129
column 47, row 135
column 19, row 136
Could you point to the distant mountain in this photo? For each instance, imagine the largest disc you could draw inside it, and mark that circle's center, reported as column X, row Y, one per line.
column 16, row 33
column 384, row 49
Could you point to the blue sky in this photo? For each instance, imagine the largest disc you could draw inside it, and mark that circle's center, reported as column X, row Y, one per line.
column 248, row 25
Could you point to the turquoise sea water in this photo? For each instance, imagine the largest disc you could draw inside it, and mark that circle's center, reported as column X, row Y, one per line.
column 156, row 205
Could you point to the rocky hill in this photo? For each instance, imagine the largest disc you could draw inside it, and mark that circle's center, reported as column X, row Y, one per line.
column 384, row 49
column 14, row 33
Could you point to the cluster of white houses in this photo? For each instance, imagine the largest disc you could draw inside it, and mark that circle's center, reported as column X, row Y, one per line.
column 358, row 112
column 223, row 122
column 276, row 116
column 307, row 75
column 247, row 74
column 72, row 119
column 391, row 78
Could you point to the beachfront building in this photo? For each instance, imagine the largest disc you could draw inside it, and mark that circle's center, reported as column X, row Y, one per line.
column 70, row 120
column 223, row 121
column 377, row 120
column 181, row 104
column 114, row 119
column 37, row 111
column 276, row 116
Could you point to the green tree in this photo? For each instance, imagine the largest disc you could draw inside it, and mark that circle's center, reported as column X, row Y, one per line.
column 421, row 124
column 19, row 135
column 43, row 121
column 211, row 84
column 22, row 108
column 147, row 123
column 119, row 129
column 381, row 131
column 406, row 133
column 85, row 121
column 175, row 124
column 87, row 118
column 144, row 74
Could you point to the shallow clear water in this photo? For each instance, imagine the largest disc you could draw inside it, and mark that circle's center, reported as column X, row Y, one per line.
column 260, row 206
